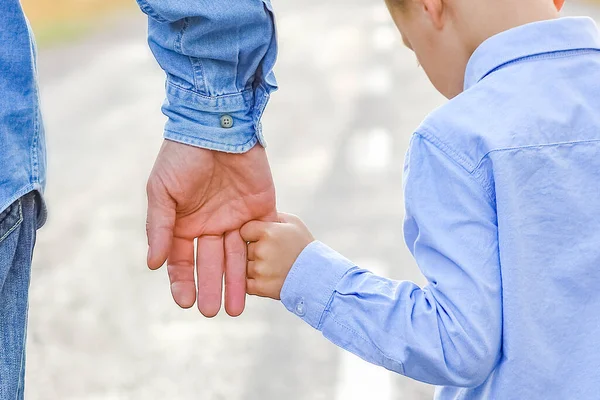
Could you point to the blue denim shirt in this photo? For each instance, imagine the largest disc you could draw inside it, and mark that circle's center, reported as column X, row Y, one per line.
column 22, row 150
column 218, row 59
column 502, row 191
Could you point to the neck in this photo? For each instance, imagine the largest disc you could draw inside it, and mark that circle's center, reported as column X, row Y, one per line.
column 496, row 16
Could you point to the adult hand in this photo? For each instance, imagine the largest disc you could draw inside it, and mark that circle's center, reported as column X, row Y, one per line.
column 198, row 193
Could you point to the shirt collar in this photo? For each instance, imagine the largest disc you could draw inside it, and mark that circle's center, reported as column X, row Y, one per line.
column 562, row 34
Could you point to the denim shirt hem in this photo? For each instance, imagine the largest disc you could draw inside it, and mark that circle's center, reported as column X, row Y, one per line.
column 31, row 187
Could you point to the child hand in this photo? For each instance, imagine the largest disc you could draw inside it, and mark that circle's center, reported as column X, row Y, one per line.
column 272, row 250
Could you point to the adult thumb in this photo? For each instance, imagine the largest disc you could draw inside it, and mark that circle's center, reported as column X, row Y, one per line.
column 160, row 222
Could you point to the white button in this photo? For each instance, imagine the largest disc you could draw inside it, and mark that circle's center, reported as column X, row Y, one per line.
column 226, row 121
column 300, row 308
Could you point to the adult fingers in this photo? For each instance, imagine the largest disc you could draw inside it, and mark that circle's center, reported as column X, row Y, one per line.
column 235, row 273
column 209, row 265
column 160, row 221
column 181, row 272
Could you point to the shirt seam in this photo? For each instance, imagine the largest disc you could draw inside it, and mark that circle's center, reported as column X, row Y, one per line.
column 17, row 223
column 34, row 150
column 194, row 138
column 426, row 134
column 178, row 47
column 535, row 146
column 565, row 53
column 148, row 9
column 199, row 74
column 20, row 193
column 207, row 97
column 445, row 149
column 327, row 304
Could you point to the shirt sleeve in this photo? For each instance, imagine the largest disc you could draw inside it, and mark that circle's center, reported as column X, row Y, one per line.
column 218, row 57
column 446, row 333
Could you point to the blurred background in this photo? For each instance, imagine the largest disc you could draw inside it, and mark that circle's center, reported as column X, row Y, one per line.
column 60, row 21
column 103, row 327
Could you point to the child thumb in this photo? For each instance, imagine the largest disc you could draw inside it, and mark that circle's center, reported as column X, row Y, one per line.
column 288, row 218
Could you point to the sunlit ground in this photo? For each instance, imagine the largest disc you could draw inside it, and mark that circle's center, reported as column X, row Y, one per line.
column 58, row 21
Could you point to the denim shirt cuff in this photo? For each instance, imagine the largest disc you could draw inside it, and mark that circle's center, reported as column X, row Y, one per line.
column 195, row 119
column 311, row 283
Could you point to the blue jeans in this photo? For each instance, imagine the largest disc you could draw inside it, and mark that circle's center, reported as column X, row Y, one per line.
column 17, row 239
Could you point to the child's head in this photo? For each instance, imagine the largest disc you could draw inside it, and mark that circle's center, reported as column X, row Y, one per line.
column 445, row 33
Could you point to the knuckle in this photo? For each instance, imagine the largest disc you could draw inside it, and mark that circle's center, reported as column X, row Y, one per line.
column 151, row 186
column 256, row 269
column 268, row 232
column 251, row 269
column 259, row 269
column 247, row 229
column 252, row 287
column 235, row 253
column 260, row 250
column 294, row 218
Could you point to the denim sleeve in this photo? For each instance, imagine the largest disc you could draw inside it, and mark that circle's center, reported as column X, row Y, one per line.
column 445, row 333
column 218, row 57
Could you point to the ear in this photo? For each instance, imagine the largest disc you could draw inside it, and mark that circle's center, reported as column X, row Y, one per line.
column 435, row 10
column 559, row 4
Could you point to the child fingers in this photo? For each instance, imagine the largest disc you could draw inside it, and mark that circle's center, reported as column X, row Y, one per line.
column 251, row 270
column 288, row 218
column 257, row 251
column 257, row 270
column 253, row 280
column 262, row 288
column 252, row 287
column 256, row 287
column 253, row 231
column 251, row 252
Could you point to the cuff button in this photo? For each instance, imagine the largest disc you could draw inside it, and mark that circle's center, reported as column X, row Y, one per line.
column 300, row 308
column 226, row 121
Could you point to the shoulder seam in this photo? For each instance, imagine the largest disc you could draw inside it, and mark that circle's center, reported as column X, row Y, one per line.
column 449, row 151
column 533, row 146
column 453, row 156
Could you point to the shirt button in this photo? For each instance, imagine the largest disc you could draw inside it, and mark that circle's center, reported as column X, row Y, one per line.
column 226, row 121
column 300, row 308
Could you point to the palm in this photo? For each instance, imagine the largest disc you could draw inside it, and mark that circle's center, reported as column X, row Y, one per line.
column 224, row 191
column 198, row 193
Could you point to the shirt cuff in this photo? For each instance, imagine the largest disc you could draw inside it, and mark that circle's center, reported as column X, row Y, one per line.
column 311, row 283
column 196, row 120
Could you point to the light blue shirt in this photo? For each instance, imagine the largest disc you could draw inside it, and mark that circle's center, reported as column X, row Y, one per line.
column 218, row 59
column 502, row 189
